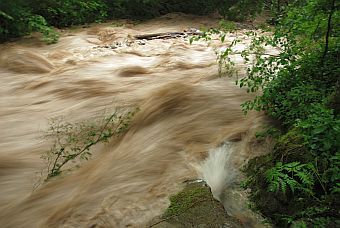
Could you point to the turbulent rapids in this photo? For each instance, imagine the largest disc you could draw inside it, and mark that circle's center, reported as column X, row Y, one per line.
column 186, row 112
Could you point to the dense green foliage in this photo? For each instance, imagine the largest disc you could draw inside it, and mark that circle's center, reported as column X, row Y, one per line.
column 17, row 19
column 71, row 12
column 239, row 9
column 298, row 183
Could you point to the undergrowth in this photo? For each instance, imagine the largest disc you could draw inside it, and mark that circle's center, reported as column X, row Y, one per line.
column 297, row 184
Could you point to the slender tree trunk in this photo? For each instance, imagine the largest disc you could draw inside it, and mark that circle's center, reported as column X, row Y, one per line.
column 329, row 28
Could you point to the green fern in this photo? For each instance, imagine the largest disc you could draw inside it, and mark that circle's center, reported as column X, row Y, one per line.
column 294, row 175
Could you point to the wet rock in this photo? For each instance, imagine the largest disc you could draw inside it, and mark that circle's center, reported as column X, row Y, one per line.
column 195, row 206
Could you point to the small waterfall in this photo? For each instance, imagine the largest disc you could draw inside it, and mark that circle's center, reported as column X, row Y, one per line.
column 217, row 170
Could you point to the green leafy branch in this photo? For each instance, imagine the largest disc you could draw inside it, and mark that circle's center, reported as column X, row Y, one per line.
column 74, row 140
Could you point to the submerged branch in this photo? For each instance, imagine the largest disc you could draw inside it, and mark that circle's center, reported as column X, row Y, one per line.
column 165, row 35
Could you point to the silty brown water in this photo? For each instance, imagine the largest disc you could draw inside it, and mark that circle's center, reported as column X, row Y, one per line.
column 185, row 110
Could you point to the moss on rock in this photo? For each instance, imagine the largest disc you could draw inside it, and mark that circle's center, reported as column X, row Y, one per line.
column 195, row 206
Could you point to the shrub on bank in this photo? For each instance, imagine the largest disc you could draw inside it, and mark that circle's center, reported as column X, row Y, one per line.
column 297, row 184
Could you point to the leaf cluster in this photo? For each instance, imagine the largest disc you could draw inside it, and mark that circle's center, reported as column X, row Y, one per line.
column 72, row 142
column 296, row 176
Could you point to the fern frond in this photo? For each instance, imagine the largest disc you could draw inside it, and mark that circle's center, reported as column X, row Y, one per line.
column 305, row 177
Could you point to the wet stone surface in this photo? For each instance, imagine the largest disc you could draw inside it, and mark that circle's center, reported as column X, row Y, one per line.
column 195, row 206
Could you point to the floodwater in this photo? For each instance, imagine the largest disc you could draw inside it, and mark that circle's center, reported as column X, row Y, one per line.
column 186, row 110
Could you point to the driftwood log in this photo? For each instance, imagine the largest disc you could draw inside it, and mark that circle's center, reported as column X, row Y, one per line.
column 165, row 35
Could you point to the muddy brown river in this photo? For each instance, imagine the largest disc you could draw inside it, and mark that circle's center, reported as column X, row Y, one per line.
column 186, row 112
